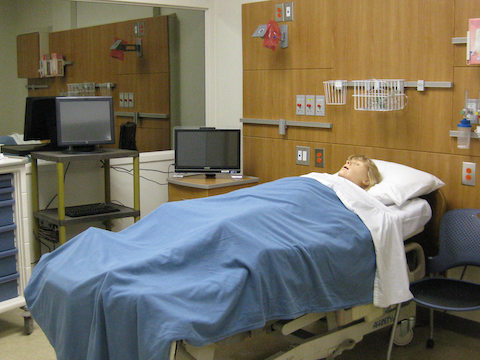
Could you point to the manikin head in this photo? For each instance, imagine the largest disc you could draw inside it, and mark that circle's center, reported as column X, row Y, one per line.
column 361, row 171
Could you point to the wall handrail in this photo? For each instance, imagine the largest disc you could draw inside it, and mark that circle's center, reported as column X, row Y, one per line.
column 138, row 115
column 282, row 123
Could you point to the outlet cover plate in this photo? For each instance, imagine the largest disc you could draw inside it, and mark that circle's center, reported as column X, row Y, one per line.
column 468, row 173
column 320, row 158
column 302, row 154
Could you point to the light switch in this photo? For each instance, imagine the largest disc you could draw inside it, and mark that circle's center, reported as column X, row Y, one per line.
column 320, row 105
column 300, row 105
column 130, row 100
column 310, row 105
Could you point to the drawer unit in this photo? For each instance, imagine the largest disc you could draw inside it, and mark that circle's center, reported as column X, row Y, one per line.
column 9, row 286
column 6, row 212
column 15, row 263
column 8, row 262
column 7, row 237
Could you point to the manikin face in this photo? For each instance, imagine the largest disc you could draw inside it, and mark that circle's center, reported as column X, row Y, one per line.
column 355, row 171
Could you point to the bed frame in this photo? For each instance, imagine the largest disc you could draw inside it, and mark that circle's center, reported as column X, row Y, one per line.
column 327, row 335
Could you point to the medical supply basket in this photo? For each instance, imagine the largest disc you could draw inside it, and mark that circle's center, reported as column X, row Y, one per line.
column 335, row 92
column 379, row 94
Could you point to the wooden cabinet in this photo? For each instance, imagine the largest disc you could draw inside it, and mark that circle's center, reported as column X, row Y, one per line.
column 198, row 186
column 29, row 47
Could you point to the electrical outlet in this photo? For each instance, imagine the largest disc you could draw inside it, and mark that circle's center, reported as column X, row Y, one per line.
column 320, row 105
column 310, row 105
column 300, row 105
column 288, row 11
column 320, row 158
column 303, row 155
column 279, row 12
column 468, row 173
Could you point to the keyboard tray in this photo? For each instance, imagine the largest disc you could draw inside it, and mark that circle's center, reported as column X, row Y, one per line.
column 89, row 209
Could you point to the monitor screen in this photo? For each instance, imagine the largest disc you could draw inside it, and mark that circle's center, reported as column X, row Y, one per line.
column 207, row 150
column 40, row 119
column 85, row 121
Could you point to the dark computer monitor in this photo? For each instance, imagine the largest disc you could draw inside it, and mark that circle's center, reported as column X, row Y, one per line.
column 85, row 122
column 40, row 119
column 207, row 150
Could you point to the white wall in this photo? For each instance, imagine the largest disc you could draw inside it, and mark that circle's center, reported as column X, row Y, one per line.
column 12, row 89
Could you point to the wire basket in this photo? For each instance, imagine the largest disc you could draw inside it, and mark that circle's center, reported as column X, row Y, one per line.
column 379, row 95
column 335, row 92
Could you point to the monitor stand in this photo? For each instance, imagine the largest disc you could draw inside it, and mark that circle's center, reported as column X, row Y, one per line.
column 210, row 176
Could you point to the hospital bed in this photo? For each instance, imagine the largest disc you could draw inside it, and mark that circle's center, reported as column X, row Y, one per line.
column 194, row 278
column 329, row 334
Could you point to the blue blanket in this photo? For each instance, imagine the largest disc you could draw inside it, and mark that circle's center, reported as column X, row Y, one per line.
column 202, row 270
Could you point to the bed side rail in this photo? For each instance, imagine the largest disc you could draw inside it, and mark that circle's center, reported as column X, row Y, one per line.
column 416, row 261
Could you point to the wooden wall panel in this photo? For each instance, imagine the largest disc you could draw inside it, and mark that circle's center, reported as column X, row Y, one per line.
column 155, row 47
column 28, row 55
column 147, row 77
column 309, row 39
column 464, row 10
column 406, row 39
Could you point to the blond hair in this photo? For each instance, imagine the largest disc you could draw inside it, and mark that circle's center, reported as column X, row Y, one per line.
column 374, row 176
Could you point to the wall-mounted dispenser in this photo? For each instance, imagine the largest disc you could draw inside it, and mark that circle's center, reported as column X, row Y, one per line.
column 464, row 134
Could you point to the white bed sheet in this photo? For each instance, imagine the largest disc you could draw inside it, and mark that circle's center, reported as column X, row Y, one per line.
column 414, row 213
column 391, row 285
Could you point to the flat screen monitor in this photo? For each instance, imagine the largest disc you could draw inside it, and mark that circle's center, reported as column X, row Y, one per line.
column 207, row 150
column 40, row 119
column 85, row 122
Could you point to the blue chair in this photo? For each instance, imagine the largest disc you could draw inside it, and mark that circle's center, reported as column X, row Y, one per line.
column 459, row 245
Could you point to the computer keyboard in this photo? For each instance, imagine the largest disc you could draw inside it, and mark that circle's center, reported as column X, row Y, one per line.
column 90, row 209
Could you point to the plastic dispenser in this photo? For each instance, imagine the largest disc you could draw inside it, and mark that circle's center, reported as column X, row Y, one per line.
column 465, row 131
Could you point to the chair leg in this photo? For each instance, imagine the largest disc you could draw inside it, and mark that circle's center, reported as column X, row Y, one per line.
column 394, row 328
column 430, row 341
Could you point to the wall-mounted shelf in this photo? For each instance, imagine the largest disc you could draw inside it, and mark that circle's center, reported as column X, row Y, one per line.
column 418, row 84
column 459, row 40
column 36, row 87
column 456, row 133
column 282, row 124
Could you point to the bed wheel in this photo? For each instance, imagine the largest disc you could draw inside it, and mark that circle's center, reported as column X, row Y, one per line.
column 27, row 321
column 403, row 333
column 28, row 325
column 430, row 344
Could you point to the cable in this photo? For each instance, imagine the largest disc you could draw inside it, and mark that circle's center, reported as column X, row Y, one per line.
column 64, row 177
column 127, row 171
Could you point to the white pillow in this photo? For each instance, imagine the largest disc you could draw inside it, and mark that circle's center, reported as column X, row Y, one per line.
column 401, row 183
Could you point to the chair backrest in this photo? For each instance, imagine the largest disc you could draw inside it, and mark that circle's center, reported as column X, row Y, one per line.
column 459, row 240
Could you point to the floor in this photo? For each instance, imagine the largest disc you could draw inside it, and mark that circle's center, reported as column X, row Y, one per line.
column 453, row 339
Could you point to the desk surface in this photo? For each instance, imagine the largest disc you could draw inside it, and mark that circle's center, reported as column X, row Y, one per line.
column 106, row 153
column 202, row 182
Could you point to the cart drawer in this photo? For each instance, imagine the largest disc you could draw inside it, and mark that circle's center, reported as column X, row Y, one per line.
column 7, row 237
column 6, row 212
column 6, row 193
column 8, row 262
column 5, row 180
column 9, row 287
